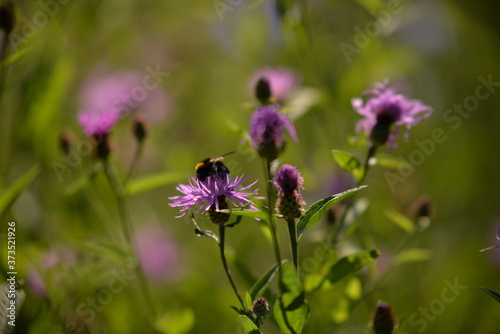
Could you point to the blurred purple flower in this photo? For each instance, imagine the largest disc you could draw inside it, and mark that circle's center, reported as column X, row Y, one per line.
column 208, row 193
column 158, row 255
column 386, row 109
column 105, row 99
column 266, row 130
column 282, row 82
column 62, row 256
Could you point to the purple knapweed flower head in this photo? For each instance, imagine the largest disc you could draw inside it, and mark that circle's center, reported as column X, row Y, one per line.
column 266, row 131
column 289, row 183
column 386, row 111
column 105, row 99
column 383, row 319
column 273, row 84
column 158, row 255
column 212, row 194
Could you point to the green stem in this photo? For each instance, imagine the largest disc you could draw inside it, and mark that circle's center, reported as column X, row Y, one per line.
column 272, row 223
column 135, row 162
column 119, row 193
column 120, row 201
column 222, row 238
column 292, row 231
column 371, row 153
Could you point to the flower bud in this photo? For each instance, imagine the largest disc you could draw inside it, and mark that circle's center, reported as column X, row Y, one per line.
column 140, row 127
column 288, row 182
column 260, row 307
column 103, row 147
column 219, row 217
column 263, row 90
column 383, row 319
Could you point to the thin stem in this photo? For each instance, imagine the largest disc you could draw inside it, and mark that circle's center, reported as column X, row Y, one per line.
column 222, row 237
column 272, row 224
column 292, row 231
column 371, row 153
column 126, row 229
column 120, row 201
column 135, row 162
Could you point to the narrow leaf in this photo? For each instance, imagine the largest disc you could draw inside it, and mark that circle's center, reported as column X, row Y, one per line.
column 318, row 209
column 248, row 325
column 259, row 286
column 247, row 213
column 11, row 193
column 492, row 293
column 291, row 311
column 412, row 255
column 349, row 163
column 400, row 220
column 345, row 266
column 152, row 182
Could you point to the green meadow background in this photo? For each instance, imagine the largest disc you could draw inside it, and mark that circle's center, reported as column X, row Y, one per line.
column 206, row 51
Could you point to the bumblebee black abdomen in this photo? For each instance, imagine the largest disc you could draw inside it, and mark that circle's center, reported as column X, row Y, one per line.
column 209, row 167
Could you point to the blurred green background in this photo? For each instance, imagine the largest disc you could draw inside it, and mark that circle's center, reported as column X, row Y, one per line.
column 435, row 50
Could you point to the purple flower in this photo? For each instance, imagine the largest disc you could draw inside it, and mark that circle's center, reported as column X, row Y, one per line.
column 288, row 179
column 105, row 99
column 288, row 182
column 281, row 83
column 211, row 193
column 387, row 109
column 158, row 255
column 266, row 131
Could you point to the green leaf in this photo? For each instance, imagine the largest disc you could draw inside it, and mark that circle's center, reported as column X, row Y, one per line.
column 492, row 293
column 152, row 182
column 247, row 213
column 412, row 255
column 340, row 269
column 259, row 286
column 349, row 163
column 9, row 194
column 400, row 220
column 318, row 209
column 389, row 161
column 248, row 325
column 178, row 321
column 291, row 310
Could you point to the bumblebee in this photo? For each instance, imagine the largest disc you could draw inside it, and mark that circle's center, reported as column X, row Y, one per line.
column 208, row 167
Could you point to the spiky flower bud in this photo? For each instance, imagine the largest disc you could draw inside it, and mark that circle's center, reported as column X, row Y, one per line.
column 260, row 307
column 219, row 217
column 140, row 127
column 383, row 319
column 288, row 182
